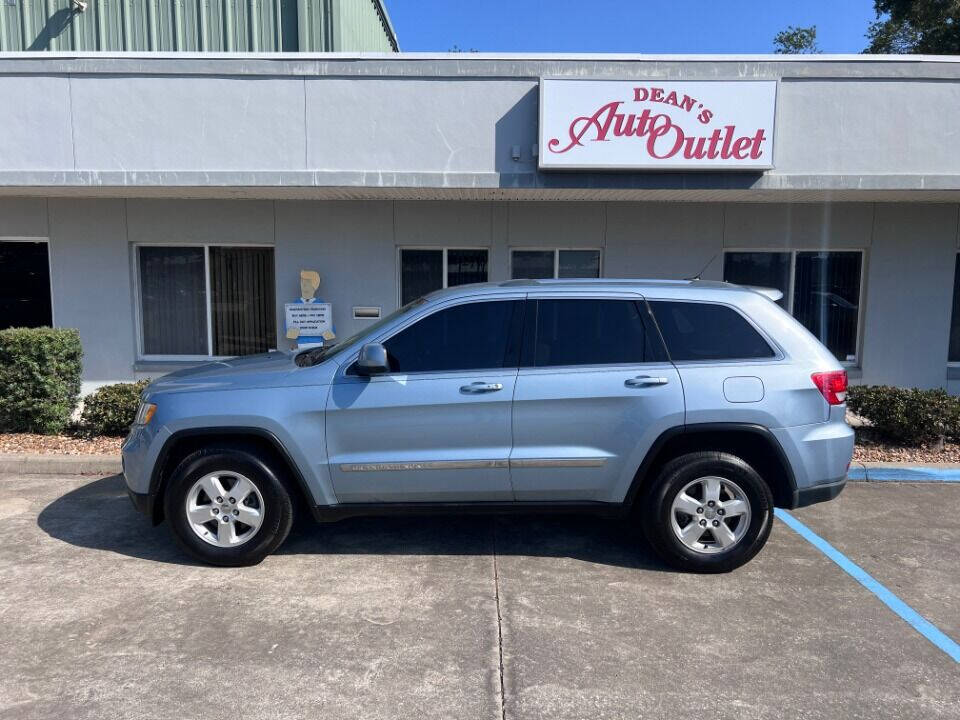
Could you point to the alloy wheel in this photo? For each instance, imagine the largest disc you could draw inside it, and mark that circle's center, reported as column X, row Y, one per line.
column 224, row 509
column 710, row 515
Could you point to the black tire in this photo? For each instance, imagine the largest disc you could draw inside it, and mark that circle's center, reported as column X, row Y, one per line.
column 656, row 510
column 277, row 506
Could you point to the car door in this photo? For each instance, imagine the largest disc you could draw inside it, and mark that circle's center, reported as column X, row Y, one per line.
column 594, row 390
column 436, row 428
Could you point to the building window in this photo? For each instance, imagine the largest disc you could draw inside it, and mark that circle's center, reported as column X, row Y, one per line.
column 954, row 352
column 24, row 285
column 203, row 301
column 423, row 270
column 762, row 269
column 556, row 263
column 820, row 288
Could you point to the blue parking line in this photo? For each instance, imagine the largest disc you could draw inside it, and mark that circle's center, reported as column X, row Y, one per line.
column 930, row 631
column 909, row 474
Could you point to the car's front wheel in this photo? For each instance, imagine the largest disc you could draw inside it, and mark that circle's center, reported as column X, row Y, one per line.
column 707, row 512
column 227, row 507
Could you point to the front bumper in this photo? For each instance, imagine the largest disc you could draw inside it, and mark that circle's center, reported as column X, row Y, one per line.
column 817, row 493
column 143, row 502
column 137, row 463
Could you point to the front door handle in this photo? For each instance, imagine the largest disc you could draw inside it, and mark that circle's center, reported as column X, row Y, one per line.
column 480, row 387
column 645, row 381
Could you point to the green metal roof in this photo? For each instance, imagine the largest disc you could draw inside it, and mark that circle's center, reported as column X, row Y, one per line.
column 197, row 25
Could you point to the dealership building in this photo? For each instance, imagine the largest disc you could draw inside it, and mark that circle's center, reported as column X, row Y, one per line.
column 166, row 204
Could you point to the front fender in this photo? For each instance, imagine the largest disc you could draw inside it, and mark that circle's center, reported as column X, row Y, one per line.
column 291, row 419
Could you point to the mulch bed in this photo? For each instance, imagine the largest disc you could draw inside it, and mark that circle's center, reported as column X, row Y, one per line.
column 867, row 449
column 32, row 444
column 880, row 452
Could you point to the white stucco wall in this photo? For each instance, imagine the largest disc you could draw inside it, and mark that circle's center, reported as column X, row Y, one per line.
column 909, row 295
column 843, row 124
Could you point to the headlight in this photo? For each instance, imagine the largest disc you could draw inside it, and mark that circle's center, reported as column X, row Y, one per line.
column 144, row 414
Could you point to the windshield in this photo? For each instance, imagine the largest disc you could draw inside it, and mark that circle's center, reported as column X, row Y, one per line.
column 316, row 355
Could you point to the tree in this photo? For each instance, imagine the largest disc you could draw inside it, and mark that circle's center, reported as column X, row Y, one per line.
column 796, row 41
column 915, row 26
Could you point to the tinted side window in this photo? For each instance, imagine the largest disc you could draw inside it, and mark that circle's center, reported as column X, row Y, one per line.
column 591, row 332
column 703, row 331
column 473, row 336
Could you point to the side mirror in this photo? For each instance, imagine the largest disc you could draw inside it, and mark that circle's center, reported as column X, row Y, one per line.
column 373, row 360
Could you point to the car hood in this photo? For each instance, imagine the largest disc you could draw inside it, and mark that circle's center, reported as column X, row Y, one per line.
column 265, row 370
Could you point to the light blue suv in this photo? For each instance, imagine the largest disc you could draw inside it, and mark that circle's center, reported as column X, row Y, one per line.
column 690, row 408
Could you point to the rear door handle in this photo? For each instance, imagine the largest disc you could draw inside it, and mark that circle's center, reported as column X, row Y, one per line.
column 645, row 381
column 480, row 387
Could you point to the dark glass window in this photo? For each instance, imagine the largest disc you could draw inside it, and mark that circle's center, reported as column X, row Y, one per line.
column 421, row 272
column 591, row 332
column 474, row 336
column 824, row 290
column 532, row 264
column 24, row 285
column 243, row 300
column 466, row 266
column 704, row 331
column 826, row 298
column 540, row 264
column 954, row 354
column 173, row 300
column 578, row 264
column 760, row 269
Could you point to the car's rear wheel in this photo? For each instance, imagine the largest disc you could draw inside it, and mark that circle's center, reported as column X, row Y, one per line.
column 227, row 507
column 707, row 512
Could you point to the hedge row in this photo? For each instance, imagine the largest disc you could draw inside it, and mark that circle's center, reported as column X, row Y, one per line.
column 40, row 370
column 110, row 410
column 907, row 415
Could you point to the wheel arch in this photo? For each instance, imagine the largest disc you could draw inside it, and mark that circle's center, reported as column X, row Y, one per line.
column 263, row 442
column 755, row 444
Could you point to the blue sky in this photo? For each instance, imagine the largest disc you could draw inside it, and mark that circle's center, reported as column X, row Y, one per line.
column 665, row 26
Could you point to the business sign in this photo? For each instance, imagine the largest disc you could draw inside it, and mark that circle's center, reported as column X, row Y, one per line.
column 311, row 319
column 656, row 125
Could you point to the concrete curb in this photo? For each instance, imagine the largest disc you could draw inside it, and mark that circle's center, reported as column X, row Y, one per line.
column 904, row 472
column 23, row 464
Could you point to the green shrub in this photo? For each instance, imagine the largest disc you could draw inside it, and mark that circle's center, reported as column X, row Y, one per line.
column 40, row 372
column 110, row 410
column 907, row 415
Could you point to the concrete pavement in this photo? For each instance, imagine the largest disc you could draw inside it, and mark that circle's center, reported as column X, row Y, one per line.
column 513, row 617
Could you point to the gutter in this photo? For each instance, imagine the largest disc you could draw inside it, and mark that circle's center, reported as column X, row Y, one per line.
column 478, row 56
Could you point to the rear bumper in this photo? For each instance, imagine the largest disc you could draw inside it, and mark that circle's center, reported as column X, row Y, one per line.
column 817, row 493
column 819, row 455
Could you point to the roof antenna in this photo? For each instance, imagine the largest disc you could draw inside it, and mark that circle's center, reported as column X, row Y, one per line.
column 699, row 275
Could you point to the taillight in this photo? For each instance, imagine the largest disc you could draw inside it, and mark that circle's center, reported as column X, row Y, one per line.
column 832, row 385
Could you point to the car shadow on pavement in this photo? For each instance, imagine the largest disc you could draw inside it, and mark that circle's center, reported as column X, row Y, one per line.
column 99, row 515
